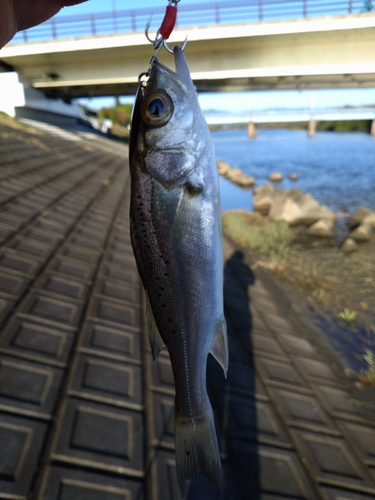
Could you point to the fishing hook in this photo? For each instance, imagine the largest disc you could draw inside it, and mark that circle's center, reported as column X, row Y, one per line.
column 165, row 29
column 170, row 50
column 160, row 41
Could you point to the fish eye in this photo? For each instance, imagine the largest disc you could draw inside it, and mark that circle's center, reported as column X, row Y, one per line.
column 157, row 109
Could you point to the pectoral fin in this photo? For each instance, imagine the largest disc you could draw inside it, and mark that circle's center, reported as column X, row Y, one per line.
column 156, row 342
column 219, row 348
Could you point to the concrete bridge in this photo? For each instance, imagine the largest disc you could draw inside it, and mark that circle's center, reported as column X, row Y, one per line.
column 321, row 52
column 293, row 116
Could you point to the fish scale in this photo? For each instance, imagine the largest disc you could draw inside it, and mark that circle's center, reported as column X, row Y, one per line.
column 176, row 237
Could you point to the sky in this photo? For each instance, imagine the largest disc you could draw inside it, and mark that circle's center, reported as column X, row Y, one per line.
column 233, row 101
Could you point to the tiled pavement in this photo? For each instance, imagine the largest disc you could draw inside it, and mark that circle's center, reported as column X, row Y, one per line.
column 84, row 412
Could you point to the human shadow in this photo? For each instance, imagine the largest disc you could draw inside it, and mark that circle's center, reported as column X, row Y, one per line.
column 233, row 398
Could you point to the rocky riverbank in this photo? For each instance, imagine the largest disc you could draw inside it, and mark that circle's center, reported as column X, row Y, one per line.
column 316, row 269
column 303, row 212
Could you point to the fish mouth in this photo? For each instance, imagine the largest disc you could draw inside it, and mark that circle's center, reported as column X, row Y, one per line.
column 181, row 75
column 182, row 69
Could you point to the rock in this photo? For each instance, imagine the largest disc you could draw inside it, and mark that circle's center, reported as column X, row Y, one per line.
column 362, row 233
column 235, row 175
column 286, row 210
column 358, row 216
column 326, row 213
column 322, row 227
column 311, row 210
column 291, row 206
column 276, row 177
column 349, row 246
column 370, row 219
column 263, row 198
column 297, row 208
column 222, row 167
column 293, row 177
column 238, row 177
column 247, row 181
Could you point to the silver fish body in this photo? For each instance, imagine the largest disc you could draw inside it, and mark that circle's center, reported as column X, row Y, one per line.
column 176, row 236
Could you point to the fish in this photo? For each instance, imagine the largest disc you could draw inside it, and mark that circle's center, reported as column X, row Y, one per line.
column 175, row 226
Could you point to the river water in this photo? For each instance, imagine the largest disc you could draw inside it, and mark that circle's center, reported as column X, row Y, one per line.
column 338, row 169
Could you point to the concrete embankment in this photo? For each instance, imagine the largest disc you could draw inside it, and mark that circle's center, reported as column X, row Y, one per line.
column 85, row 413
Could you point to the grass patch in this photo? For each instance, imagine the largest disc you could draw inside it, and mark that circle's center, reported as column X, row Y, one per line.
column 327, row 278
column 366, row 377
column 348, row 315
column 257, row 234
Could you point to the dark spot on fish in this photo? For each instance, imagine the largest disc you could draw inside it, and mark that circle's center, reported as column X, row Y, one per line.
column 187, row 452
column 164, row 305
column 166, row 274
column 161, row 288
column 169, row 319
column 167, row 262
column 193, row 189
column 174, row 332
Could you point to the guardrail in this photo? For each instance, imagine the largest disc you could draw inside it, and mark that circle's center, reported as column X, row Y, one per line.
column 199, row 14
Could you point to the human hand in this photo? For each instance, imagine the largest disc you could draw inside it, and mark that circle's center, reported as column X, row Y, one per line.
column 17, row 15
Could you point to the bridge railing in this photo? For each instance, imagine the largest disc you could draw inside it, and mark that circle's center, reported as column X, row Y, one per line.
column 190, row 15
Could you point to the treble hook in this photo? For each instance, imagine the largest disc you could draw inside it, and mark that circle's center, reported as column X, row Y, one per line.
column 170, row 50
column 158, row 42
column 165, row 29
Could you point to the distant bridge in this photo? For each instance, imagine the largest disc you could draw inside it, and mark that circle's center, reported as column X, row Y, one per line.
column 291, row 116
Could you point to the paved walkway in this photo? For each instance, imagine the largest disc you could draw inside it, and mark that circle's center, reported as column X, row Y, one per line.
column 84, row 412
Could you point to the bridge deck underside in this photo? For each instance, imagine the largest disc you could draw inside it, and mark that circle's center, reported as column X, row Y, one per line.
column 366, row 80
column 332, row 52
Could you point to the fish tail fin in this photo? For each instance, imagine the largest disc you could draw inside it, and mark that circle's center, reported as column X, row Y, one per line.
column 196, row 450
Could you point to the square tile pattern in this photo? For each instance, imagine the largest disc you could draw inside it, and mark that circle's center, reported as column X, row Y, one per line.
column 101, row 437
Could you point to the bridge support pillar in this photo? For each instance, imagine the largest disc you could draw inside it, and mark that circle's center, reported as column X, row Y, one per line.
column 311, row 128
column 251, row 130
column 372, row 129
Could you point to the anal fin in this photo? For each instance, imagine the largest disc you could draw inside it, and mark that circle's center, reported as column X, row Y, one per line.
column 219, row 348
column 156, row 342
